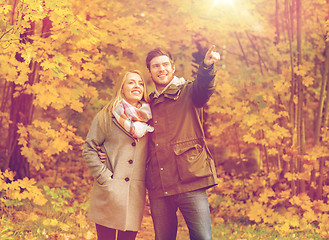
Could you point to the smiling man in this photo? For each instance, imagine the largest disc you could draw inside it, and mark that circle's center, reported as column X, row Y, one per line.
column 179, row 166
column 162, row 71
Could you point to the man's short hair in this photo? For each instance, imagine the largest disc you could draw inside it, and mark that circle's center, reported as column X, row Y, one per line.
column 156, row 53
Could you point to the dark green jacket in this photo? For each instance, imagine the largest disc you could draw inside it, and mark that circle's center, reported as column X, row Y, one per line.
column 179, row 160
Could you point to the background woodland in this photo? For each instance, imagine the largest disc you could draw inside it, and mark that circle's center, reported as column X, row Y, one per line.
column 267, row 122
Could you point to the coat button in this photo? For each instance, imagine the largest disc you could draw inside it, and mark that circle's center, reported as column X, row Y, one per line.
column 133, row 144
column 127, row 179
column 130, row 161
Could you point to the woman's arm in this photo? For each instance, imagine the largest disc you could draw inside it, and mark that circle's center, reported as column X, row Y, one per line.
column 94, row 139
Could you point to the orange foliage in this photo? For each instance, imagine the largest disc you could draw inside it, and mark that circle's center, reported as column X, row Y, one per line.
column 75, row 51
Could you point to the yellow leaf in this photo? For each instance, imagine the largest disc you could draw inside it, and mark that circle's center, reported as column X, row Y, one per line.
column 32, row 217
column 46, row 64
column 308, row 81
column 295, row 222
column 264, row 197
column 64, row 227
column 285, row 227
column 77, row 106
column 255, row 212
column 295, row 201
column 81, row 220
column 4, row 9
column 219, row 221
column 249, row 139
column 53, row 222
column 89, row 235
column 272, row 151
column 310, row 216
column 41, row 200
column 289, row 176
column 9, row 174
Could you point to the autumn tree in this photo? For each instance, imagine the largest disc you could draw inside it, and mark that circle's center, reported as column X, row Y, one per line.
column 41, row 78
column 60, row 59
column 67, row 66
column 256, row 103
column 59, row 63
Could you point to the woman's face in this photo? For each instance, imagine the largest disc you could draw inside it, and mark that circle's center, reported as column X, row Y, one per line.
column 133, row 88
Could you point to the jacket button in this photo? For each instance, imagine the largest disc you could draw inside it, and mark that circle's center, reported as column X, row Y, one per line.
column 133, row 144
column 127, row 179
column 130, row 161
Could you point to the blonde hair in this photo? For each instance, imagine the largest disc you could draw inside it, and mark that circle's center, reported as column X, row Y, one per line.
column 105, row 115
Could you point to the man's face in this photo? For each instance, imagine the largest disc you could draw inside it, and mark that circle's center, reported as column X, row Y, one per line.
column 162, row 71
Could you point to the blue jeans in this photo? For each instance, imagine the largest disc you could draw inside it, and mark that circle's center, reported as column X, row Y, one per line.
column 105, row 233
column 194, row 207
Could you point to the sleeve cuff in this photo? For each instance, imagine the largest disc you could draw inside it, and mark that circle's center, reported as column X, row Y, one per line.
column 205, row 67
column 207, row 70
column 102, row 178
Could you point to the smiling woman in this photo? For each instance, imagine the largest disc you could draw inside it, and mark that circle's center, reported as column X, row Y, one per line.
column 133, row 88
column 120, row 130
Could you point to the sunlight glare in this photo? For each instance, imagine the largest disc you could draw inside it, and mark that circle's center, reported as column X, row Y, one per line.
column 230, row 2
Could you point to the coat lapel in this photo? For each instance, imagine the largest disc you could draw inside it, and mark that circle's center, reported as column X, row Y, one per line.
column 115, row 121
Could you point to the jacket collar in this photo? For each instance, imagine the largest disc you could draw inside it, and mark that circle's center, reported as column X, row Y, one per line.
column 172, row 90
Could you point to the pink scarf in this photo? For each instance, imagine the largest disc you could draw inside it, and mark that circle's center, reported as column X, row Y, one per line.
column 133, row 119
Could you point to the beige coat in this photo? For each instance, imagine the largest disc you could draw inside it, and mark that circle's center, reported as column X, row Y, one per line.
column 118, row 194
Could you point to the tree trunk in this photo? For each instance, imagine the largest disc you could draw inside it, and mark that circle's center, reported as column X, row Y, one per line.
column 319, row 123
column 293, row 83
column 326, row 106
column 20, row 113
column 242, row 50
column 277, row 32
column 261, row 62
column 293, row 90
column 300, row 88
column 321, row 178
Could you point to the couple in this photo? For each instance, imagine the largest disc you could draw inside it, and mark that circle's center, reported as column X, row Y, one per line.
column 158, row 141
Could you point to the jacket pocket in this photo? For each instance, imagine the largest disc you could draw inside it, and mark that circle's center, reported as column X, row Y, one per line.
column 192, row 161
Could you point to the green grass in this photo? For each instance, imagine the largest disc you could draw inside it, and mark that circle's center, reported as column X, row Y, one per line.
column 243, row 231
column 235, row 231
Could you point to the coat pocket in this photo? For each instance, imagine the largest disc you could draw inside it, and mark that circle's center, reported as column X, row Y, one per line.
column 192, row 161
